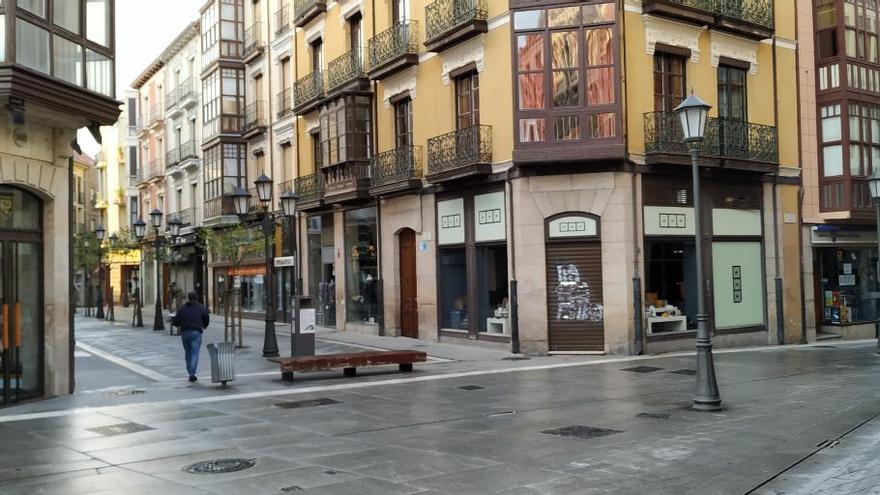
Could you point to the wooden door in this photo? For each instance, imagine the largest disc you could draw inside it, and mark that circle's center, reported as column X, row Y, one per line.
column 409, row 310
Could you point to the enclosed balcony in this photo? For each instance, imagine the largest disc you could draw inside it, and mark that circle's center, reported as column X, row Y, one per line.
column 253, row 42
column 729, row 142
column 284, row 103
column 346, row 73
column 308, row 92
column 346, row 181
column 310, row 189
column 397, row 170
column 448, row 22
column 394, row 49
column 458, row 154
column 751, row 18
column 282, row 19
column 254, row 119
column 306, row 10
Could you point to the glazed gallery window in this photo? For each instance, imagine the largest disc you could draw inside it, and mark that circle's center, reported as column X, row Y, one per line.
column 361, row 257
column 670, row 279
column 98, row 21
column 345, row 130
column 66, row 15
column 832, row 150
column 31, row 46
column 566, row 82
column 849, row 285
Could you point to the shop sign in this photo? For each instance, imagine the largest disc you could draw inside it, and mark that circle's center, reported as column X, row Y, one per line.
column 247, row 270
column 282, row 261
column 669, row 220
column 490, row 217
column 820, row 237
column 450, row 221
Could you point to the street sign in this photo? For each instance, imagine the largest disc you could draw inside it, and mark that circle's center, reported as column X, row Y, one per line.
column 284, row 261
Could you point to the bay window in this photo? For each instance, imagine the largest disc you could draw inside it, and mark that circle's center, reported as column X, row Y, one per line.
column 67, row 57
column 31, row 46
column 66, row 15
column 98, row 28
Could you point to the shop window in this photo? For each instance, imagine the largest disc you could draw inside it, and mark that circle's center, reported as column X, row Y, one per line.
column 453, row 288
column 849, row 285
column 492, row 292
column 670, row 279
column 253, row 293
column 361, row 260
column 322, row 269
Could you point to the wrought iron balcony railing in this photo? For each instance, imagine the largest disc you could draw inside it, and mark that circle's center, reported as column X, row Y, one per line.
column 284, row 103
column 758, row 12
column 172, row 157
column 305, row 10
column 185, row 91
column 216, row 207
column 397, row 165
column 154, row 169
column 253, row 39
column 464, row 147
column 186, row 216
column 171, row 99
column 723, row 138
column 188, row 151
column 287, row 186
column 282, row 19
column 156, row 114
column 254, row 116
column 443, row 16
column 345, row 69
column 309, row 188
column 397, row 41
column 308, row 89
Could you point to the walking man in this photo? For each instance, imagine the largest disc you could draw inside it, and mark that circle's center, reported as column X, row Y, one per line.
column 192, row 319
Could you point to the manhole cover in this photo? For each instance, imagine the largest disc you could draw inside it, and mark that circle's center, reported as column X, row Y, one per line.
column 581, row 431
column 323, row 401
column 642, row 369
column 120, row 429
column 685, row 372
column 220, row 466
column 515, row 358
column 655, row 415
column 128, row 391
column 471, row 387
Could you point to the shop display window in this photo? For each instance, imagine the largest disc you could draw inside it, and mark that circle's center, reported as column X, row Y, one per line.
column 492, row 295
column 453, row 288
column 322, row 269
column 849, row 290
column 362, row 277
column 671, row 270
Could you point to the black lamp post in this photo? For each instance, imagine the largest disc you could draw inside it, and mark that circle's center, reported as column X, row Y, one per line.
column 156, row 222
column 240, row 200
column 140, row 229
column 174, row 229
column 99, row 235
column 301, row 344
column 874, row 187
column 692, row 112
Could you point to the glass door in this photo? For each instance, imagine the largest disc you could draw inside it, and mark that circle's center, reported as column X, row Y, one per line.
column 20, row 320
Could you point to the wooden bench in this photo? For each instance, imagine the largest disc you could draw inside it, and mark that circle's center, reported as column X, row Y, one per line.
column 349, row 362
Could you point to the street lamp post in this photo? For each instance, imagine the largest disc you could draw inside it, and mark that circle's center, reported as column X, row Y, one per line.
column 140, row 229
column 156, row 222
column 301, row 344
column 692, row 113
column 240, row 201
column 874, row 187
column 174, row 229
column 99, row 235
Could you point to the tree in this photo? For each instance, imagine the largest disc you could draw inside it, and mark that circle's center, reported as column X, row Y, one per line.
column 87, row 253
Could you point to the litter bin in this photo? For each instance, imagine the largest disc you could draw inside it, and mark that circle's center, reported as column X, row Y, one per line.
column 222, row 362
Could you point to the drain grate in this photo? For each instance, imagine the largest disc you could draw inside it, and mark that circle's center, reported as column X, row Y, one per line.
column 824, row 347
column 220, row 466
column 502, row 413
column 299, row 404
column 331, row 472
column 642, row 369
column 515, row 358
column 294, row 488
column 120, row 429
column 654, row 415
column 581, row 431
column 471, row 387
column 687, row 372
column 127, row 391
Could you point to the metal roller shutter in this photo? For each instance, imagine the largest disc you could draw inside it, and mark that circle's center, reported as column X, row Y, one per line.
column 575, row 314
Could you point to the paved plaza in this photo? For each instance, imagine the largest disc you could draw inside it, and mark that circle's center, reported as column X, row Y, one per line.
column 800, row 419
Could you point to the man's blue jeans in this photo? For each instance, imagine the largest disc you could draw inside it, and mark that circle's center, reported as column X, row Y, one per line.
column 192, row 343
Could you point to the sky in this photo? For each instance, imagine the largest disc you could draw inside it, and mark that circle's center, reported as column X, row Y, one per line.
column 144, row 28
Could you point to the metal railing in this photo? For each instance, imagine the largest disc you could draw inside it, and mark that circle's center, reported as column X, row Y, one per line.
column 758, row 12
column 185, row 90
column 723, row 138
column 156, row 114
column 309, row 187
column 216, row 207
column 254, row 116
column 469, row 146
column 345, row 69
column 188, row 150
column 301, row 7
column 397, row 165
column 345, row 173
column 186, row 216
column 396, row 41
column 154, row 169
column 171, row 99
column 443, row 16
column 172, row 157
column 253, row 39
column 282, row 19
column 308, row 89
column 284, row 103
column 287, row 186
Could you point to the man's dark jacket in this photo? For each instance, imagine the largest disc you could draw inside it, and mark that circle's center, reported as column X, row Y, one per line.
column 191, row 316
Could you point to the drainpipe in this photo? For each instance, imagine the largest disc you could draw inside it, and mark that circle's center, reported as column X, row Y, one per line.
column 514, row 297
column 801, row 192
column 780, row 316
column 71, row 272
column 380, row 284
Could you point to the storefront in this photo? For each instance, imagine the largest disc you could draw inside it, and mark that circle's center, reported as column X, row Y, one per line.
column 846, row 276
column 362, row 268
column 472, row 266
column 250, row 283
column 322, row 268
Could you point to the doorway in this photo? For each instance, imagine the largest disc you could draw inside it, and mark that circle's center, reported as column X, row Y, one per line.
column 409, row 309
column 21, row 296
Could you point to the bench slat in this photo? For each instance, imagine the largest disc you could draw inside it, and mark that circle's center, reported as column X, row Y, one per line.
column 349, row 360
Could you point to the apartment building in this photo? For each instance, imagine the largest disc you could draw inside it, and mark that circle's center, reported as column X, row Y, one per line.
column 839, row 75
column 454, row 156
column 57, row 66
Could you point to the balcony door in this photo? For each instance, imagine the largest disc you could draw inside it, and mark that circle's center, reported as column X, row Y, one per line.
column 732, row 109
